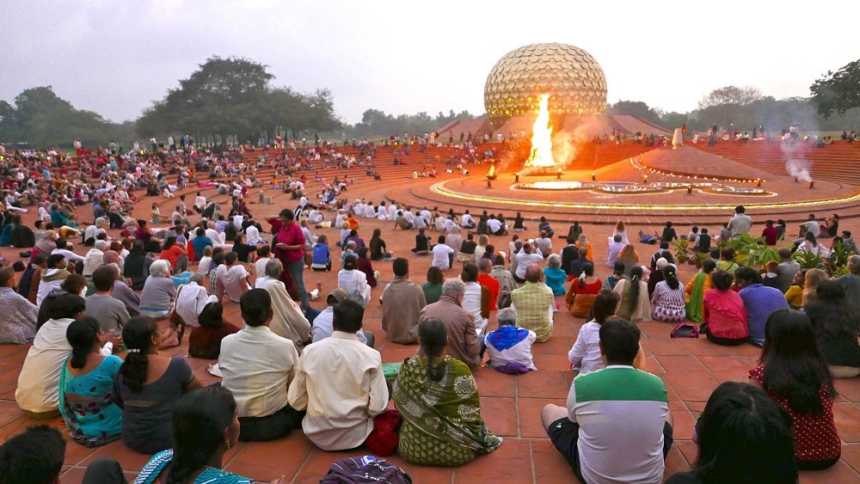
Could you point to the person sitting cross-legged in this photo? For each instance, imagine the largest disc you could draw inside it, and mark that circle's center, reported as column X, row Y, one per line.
column 463, row 341
column 258, row 366
column 534, row 303
column 340, row 383
column 402, row 302
column 616, row 425
column 509, row 347
column 438, row 398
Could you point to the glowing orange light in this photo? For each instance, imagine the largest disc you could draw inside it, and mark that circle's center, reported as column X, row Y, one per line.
column 541, row 152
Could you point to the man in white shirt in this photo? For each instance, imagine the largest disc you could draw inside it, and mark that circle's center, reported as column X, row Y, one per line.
column 232, row 279
column 323, row 323
column 339, row 381
column 258, row 366
column 62, row 249
column 39, row 379
column 252, row 235
column 494, row 225
column 354, row 281
column 526, row 257
column 466, row 221
column 94, row 258
column 191, row 299
column 442, row 255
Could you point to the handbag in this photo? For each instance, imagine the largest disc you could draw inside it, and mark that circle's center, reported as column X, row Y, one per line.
column 684, row 330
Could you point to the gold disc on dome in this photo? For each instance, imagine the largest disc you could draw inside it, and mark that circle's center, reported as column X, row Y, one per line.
column 570, row 75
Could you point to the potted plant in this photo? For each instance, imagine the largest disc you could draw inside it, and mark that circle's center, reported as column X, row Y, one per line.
column 680, row 248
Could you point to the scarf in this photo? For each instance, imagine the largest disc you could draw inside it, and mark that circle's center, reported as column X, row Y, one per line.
column 507, row 337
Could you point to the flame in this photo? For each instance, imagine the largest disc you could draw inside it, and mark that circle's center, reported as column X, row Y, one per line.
column 541, row 153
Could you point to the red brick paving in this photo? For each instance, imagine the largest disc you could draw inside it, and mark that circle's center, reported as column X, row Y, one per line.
column 511, row 404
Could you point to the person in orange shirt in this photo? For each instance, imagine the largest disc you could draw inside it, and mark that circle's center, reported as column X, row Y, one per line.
column 351, row 222
column 174, row 254
column 583, row 243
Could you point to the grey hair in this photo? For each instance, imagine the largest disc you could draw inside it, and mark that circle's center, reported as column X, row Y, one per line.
column 454, row 288
column 854, row 264
column 160, row 268
column 197, row 277
column 274, row 268
column 554, row 261
column 101, row 244
column 507, row 315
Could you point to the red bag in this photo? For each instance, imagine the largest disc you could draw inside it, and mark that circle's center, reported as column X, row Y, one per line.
column 384, row 438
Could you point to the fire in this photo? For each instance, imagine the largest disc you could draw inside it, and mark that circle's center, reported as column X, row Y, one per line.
column 541, row 153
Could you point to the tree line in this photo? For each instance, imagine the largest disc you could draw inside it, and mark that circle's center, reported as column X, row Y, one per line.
column 235, row 98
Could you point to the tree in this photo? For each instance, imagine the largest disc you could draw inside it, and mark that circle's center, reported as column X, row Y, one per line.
column 837, row 91
column 233, row 97
column 674, row 119
column 635, row 108
column 730, row 95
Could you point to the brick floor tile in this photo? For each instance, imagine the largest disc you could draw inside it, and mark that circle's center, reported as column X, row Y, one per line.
column 510, row 463
column 269, row 460
column 545, row 384
column 550, row 467
column 840, row 473
column 492, row 383
column 529, row 413
column 847, row 416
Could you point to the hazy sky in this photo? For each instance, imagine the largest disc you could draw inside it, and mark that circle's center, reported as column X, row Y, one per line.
column 117, row 56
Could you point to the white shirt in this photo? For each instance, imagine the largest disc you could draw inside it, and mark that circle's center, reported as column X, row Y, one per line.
column 585, row 352
column 93, row 260
column 813, row 226
column 252, row 235
column 260, row 266
column 494, row 225
column 472, row 304
column 354, row 282
column 69, row 255
column 258, row 366
column 203, row 265
column 323, row 326
column 613, row 252
column 232, row 279
column 524, row 260
column 441, row 256
column 190, row 301
column 339, row 381
column 520, row 353
column 39, row 380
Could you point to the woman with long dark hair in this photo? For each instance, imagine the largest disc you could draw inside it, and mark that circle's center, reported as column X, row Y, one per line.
column 438, row 398
column 742, row 438
column 836, row 329
column 795, row 375
column 86, row 386
column 667, row 302
column 634, row 304
column 205, row 425
column 148, row 386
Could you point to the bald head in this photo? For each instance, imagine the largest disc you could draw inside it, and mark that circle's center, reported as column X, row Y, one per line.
column 533, row 273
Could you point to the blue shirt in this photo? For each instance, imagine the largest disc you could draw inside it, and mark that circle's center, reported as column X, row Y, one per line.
column 760, row 302
column 200, row 243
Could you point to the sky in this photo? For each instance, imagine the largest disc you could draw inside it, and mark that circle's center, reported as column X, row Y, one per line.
column 116, row 57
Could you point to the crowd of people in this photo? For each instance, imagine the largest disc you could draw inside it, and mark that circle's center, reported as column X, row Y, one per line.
column 98, row 319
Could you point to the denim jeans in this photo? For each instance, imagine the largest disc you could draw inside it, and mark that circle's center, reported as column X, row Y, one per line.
column 295, row 270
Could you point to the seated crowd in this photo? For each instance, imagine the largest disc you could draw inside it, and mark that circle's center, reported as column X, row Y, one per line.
column 98, row 326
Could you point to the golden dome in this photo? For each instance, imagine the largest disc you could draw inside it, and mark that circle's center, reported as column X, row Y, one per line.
column 570, row 75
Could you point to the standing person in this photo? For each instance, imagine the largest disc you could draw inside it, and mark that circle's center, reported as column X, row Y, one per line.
column 795, row 375
column 258, row 366
column 438, row 398
column 725, row 317
column 18, row 319
column 38, row 381
column 86, row 386
column 634, row 304
column 147, row 387
column 340, row 383
column 290, row 250
column 760, row 302
column 669, row 234
column 534, row 303
column 616, row 427
column 740, row 223
column 463, row 342
column 667, row 302
column 742, row 437
column 402, row 301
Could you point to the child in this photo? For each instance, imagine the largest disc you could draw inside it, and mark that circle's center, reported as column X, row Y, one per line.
column 321, row 259
column 156, row 214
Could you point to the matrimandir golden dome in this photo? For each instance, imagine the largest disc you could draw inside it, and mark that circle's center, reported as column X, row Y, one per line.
column 570, row 75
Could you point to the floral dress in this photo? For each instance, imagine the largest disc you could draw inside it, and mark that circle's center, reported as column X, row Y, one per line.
column 442, row 423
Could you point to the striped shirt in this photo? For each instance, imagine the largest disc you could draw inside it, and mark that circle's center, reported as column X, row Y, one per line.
column 621, row 412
